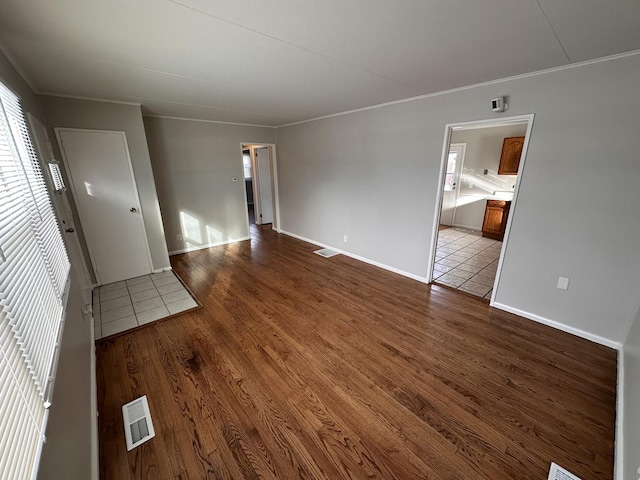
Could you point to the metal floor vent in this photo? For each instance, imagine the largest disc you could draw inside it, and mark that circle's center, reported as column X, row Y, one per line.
column 138, row 427
column 326, row 252
column 558, row 473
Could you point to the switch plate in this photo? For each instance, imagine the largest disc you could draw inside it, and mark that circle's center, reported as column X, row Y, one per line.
column 563, row 283
column 179, row 237
column 345, row 239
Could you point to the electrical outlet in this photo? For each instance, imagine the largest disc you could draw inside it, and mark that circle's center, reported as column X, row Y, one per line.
column 563, row 283
column 179, row 237
column 345, row 239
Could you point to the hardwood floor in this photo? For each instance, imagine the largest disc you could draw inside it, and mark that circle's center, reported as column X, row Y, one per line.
column 299, row 366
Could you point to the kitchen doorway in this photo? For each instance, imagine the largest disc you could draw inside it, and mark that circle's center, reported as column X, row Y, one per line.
column 476, row 203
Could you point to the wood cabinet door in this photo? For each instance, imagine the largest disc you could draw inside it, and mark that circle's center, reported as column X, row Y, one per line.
column 510, row 157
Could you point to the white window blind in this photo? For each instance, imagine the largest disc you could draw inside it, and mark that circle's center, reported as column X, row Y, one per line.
column 34, row 270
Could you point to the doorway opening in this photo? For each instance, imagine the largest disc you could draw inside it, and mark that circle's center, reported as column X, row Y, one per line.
column 261, row 184
column 481, row 168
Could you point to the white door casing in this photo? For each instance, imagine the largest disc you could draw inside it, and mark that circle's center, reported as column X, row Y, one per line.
column 453, row 171
column 106, row 196
column 449, row 128
column 264, row 187
column 60, row 203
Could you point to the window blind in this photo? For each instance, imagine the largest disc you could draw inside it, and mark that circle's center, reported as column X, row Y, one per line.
column 34, row 270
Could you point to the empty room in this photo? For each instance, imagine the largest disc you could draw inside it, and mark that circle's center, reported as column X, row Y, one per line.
column 320, row 240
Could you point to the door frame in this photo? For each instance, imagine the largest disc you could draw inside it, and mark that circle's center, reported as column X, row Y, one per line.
column 274, row 182
column 471, row 125
column 75, row 198
column 43, row 147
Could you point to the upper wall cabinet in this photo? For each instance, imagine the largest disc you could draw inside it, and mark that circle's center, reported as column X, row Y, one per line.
column 510, row 157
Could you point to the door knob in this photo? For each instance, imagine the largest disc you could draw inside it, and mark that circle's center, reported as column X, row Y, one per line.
column 133, row 209
column 70, row 230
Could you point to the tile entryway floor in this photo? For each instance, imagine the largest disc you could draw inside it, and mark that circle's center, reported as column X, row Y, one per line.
column 466, row 261
column 124, row 305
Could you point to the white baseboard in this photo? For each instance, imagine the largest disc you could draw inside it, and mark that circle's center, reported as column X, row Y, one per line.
column 618, row 465
column 560, row 326
column 209, row 245
column 467, row 227
column 358, row 257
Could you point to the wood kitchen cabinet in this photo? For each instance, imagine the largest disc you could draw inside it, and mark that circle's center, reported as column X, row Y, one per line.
column 510, row 157
column 495, row 219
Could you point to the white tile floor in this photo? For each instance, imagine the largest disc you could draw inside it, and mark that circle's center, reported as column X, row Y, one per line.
column 467, row 261
column 124, row 305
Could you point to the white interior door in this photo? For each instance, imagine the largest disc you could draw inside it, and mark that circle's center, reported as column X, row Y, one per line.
column 451, row 182
column 265, row 190
column 62, row 208
column 105, row 192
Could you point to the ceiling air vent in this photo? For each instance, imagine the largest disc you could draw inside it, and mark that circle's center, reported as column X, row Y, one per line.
column 326, row 253
column 138, row 427
column 558, row 473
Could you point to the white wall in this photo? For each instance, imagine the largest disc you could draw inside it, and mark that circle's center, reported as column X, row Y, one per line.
column 75, row 113
column 482, row 152
column 67, row 453
column 374, row 174
column 194, row 163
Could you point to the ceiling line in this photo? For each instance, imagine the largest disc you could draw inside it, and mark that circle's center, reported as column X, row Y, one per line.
column 185, row 119
column 470, row 87
column 272, row 37
column 210, row 107
column 162, row 72
column 554, row 31
column 90, row 99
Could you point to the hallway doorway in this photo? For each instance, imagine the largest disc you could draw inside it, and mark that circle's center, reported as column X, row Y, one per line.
column 261, row 184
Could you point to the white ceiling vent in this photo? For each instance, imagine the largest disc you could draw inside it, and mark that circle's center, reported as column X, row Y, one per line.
column 326, row 253
column 138, row 427
column 558, row 473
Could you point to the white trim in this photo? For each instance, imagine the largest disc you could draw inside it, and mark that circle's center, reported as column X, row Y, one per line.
column 470, row 87
column 474, row 124
column 209, row 245
column 185, row 119
column 90, row 99
column 95, row 445
column 448, row 130
column 618, row 465
column 164, row 269
column 359, row 258
column 560, row 326
column 512, row 210
column 467, row 227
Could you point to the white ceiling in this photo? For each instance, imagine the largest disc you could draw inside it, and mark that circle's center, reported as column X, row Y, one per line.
column 280, row 61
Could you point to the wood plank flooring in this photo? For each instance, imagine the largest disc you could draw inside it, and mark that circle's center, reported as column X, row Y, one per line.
column 299, row 366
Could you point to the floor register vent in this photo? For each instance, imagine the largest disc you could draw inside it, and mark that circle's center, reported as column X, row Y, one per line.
column 558, row 473
column 326, row 253
column 138, row 427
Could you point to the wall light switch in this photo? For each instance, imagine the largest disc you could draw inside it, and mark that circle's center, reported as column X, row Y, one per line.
column 346, row 238
column 179, row 237
column 563, row 283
